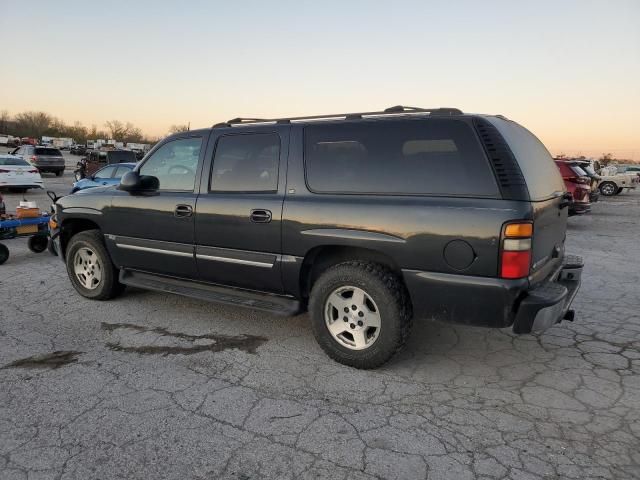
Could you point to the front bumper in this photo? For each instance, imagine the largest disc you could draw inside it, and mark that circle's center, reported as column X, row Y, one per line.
column 549, row 303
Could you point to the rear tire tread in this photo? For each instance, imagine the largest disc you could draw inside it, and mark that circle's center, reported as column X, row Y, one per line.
column 401, row 302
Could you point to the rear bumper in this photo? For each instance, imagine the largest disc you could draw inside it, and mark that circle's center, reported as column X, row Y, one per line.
column 577, row 208
column 548, row 303
column 495, row 302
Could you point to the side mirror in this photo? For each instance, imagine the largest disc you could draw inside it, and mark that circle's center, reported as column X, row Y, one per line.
column 133, row 183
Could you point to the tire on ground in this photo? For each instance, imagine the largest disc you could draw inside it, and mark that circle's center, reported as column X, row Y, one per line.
column 608, row 189
column 38, row 243
column 109, row 285
column 389, row 294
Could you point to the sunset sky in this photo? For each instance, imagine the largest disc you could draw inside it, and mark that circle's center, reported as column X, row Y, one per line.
column 567, row 70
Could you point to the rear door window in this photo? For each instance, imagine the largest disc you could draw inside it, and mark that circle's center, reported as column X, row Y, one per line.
column 416, row 157
column 246, row 163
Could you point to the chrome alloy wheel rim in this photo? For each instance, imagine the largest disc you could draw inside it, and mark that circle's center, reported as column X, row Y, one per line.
column 608, row 189
column 87, row 268
column 352, row 317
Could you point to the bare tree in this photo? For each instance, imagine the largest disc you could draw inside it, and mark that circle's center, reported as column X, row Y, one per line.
column 33, row 124
column 5, row 118
column 606, row 159
column 179, row 128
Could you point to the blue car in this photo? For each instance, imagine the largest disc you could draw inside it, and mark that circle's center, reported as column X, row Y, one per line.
column 109, row 175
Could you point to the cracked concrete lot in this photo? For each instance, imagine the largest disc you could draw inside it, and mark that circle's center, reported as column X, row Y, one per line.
column 152, row 386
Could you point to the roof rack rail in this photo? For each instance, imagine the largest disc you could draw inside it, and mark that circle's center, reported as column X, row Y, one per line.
column 346, row 116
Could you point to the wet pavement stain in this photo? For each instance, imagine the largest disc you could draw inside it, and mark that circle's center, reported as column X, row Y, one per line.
column 48, row 360
column 246, row 343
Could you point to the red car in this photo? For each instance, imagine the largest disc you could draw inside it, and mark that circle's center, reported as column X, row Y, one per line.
column 578, row 184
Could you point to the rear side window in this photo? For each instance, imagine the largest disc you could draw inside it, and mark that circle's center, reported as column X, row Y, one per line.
column 52, row 152
column 423, row 157
column 246, row 163
column 535, row 161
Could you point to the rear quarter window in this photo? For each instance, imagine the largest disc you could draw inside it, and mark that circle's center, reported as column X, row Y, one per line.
column 412, row 157
column 538, row 167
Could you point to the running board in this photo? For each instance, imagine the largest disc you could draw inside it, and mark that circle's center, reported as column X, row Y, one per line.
column 212, row 293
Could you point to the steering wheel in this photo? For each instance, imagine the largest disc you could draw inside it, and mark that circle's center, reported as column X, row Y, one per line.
column 184, row 170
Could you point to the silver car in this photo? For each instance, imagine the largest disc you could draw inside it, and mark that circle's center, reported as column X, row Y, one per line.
column 45, row 159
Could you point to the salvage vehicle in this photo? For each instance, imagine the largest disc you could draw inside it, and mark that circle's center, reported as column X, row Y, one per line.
column 45, row 159
column 96, row 159
column 17, row 174
column 613, row 183
column 578, row 185
column 109, row 175
column 587, row 167
column 366, row 220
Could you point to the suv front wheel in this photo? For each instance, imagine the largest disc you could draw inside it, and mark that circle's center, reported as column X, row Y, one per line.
column 360, row 313
column 89, row 266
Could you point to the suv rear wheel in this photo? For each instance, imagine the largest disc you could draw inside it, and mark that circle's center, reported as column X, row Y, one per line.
column 89, row 266
column 360, row 313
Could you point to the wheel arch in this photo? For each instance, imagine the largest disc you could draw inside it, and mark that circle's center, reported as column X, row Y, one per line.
column 320, row 258
column 73, row 226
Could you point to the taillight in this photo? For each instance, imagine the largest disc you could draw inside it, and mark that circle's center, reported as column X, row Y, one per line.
column 515, row 252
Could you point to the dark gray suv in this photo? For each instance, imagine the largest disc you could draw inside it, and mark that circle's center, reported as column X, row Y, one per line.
column 366, row 220
column 45, row 159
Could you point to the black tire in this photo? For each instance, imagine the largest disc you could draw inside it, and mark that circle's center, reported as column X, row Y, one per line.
column 108, row 286
column 59, row 173
column 4, row 253
column 390, row 297
column 38, row 243
column 608, row 189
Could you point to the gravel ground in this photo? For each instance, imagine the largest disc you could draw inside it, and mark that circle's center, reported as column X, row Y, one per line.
column 160, row 386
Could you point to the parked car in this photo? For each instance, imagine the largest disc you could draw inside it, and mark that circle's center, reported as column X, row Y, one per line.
column 17, row 173
column 45, row 159
column 109, row 175
column 364, row 219
column 587, row 167
column 614, row 183
column 577, row 183
column 96, row 159
column 78, row 149
column 633, row 169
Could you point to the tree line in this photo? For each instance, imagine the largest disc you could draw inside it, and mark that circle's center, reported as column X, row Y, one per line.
column 39, row 124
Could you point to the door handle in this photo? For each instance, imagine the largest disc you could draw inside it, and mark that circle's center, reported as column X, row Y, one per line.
column 183, row 211
column 260, row 216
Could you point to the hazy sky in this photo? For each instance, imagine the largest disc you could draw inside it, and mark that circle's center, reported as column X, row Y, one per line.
column 567, row 70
